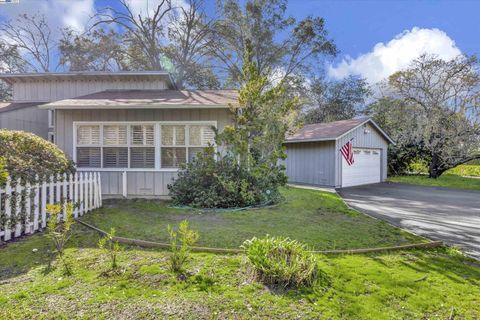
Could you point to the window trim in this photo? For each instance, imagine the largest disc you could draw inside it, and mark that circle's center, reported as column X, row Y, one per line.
column 157, row 142
column 51, row 118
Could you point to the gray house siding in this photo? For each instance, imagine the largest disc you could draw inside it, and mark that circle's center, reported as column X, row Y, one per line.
column 31, row 119
column 373, row 139
column 139, row 183
column 311, row 162
column 52, row 90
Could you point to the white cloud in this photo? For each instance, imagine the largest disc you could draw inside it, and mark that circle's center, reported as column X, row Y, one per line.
column 60, row 13
column 385, row 59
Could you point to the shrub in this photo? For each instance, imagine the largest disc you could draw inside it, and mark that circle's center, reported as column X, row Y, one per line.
column 224, row 183
column 110, row 247
column 58, row 230
column 281, row 261
column 3, row 172
column 27, row 155
column 180, row 253
column 418, row 166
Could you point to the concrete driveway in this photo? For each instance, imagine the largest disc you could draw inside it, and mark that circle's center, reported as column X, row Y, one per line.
column 452, row 216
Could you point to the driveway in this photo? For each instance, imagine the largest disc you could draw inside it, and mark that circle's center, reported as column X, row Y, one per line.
column 450, row 215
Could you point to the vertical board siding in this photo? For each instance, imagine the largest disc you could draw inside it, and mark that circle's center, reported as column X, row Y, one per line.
column 31, row 119
column 311, row 163
column 147, row 183
column 63, row 89
column 372, row 139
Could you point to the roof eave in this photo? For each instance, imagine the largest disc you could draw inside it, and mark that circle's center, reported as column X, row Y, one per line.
column 367, row 120
column 135, row 106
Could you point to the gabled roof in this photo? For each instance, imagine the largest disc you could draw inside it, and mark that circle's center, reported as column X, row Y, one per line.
column 88, row 75
column 10, row 106
column 332, row 130
column 146, row 99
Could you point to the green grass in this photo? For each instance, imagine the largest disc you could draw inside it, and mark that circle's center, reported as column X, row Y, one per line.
column 319, row 219
column 472, row 170
column 436, row 284
column 445, row 180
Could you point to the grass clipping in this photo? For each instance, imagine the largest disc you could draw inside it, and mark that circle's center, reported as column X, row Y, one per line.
column 282, row 262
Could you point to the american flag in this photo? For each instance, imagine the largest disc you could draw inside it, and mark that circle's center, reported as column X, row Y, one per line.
column 347, row 152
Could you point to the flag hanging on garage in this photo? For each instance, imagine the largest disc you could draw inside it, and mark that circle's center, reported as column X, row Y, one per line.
column 347, row 152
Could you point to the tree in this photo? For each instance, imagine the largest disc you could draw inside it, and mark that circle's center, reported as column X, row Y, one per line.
column 98, row 50
column 281, row 47
column 31, row 35
column 337, row 100
column 262, row 118
column 143, row 32
column 188, row 36
column 11, row 61
column 443, row 114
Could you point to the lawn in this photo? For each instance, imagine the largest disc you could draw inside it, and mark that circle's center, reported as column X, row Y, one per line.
column 445, row 180
column 435, row 284
column 319, row 219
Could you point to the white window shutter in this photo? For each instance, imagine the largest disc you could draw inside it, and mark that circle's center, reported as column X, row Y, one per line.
column 114, row 135
column 88, row 135
column 143, row 135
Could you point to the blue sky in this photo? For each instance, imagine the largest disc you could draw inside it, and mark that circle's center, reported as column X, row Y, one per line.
column 374, row 37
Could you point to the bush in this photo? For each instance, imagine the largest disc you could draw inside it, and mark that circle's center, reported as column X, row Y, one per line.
column 110, row 247
column 281, row 261
column 58, row 230
column 418, row 166
column 27, row 155
column 3, row 172
column 472, row 170
column 180, row 253
column 224, row 183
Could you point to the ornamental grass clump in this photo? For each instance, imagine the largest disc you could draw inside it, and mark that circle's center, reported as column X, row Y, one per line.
column 282, row 262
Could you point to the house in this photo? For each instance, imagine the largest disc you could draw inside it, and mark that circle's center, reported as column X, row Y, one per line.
column 314, row 154
column 26, row 116
column 133, row 127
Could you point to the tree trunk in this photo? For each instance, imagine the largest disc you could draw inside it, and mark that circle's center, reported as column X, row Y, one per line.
column 434, row 170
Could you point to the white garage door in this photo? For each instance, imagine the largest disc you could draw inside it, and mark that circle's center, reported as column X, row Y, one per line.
column 364, row 170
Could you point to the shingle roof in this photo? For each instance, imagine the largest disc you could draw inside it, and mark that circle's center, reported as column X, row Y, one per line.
column 9, row 106
column 148, row 99
column 325, row 131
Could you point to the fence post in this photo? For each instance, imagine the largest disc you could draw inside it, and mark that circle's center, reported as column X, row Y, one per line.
column 64, row 195
column 75, row 195
column 36, row 201
column 80, row 185
column 43, row 209
column 99, row 189
column 51, row 190
column 70, row 189
column 18, row 208
column 28, row 206
column 8, row 210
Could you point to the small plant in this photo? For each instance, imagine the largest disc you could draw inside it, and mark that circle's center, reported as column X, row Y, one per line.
column 180, row 252
column 281, row 261
column 58, row 230
column 111, row 247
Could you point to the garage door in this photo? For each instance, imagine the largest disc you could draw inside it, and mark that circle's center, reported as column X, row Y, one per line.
column 364, row 170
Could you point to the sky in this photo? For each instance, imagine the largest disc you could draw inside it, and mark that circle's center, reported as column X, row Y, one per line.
column 375, row 38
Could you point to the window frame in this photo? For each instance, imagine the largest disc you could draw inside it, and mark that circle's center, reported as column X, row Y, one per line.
column 157, row 142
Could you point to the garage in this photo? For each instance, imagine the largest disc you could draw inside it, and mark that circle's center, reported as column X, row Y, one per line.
column 365, row 170
column 338, row 154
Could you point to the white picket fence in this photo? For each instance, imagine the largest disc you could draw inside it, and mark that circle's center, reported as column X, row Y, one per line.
column 25, row 205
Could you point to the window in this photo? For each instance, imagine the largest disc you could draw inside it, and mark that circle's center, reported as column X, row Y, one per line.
column 174, row 150
column 88, row 146
column 135, row 146
column 200, row 136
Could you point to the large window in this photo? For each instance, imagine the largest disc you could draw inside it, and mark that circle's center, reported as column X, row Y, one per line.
column 140, row 146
